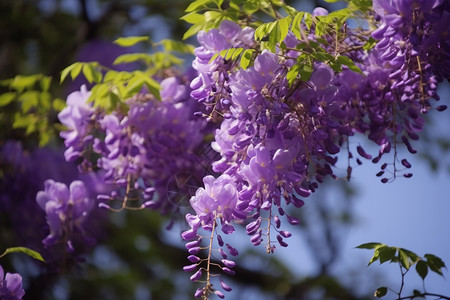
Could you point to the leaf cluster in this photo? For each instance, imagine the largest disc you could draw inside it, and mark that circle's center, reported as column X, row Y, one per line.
column 33, row 105
column 405, row 258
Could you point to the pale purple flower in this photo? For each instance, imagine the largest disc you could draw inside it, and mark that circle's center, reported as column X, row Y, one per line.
column 10, row 286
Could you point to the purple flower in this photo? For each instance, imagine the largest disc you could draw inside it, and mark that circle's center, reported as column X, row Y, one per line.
column 217, row 199
column 66, row 210
column 10, row 286
column 77, row 118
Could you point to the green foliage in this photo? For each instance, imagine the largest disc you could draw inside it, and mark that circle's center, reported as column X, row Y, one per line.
column 34, row 105
column 406, row 259
column 27, row 251
column 91, row 71
column 131, row 40
column 381, row 292
column 211, row 18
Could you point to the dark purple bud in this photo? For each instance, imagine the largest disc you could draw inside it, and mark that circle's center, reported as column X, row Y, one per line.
column 302, row 192
column 104, row 205
column 384, row 180
column 297, row 202
column 189, row 234
column 102, row 197
column 225, row 286
column 228, row 271
column 194, row 250
column 285, row 234
column 413, row 135
column 194, row 259
column 223, row 254
column 408, row 175
column 197, row 275
column 219, row 240
column 358, row 161
column 406, row 163
column 256, row 237
column 280, row 241
column 379, row 174
column 219, row 294
column 363, row 153
column 228, row 263
column 190, row 268
column 383, row 166
column 192, row 244
column 277, row 221
column 292, row 220
column 408, row 145
column 441, row 107
column 253, row 226
column 232, row 250
column 199, row 292
column 281, row 211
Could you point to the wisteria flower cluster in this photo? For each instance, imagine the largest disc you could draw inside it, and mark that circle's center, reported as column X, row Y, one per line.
column 141, row 150
column 66, row 210
column 276, row 126
column 10, row 286
column 277, row 141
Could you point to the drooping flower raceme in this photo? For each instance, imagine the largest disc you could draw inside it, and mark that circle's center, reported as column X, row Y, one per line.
column 66, row 211
column 10, row 286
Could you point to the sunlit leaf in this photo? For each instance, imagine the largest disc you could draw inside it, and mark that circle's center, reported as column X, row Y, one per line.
column 7, row 98
column 27, row 251
column 381, row 292
column 131, row 40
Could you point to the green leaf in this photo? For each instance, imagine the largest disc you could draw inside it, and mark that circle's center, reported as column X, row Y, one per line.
column 370, row 245
column 131, row 40
column 380, row 292
column 370, row 44
column 91, row 73
column 306, row 71
column 251, row 6
column 292, row 73
column 76, row 70
column 422, row 269
column 435, row 263
column 132, row 57
column 27, row 251
column 29, row 99
column 344, row 60
column 246, row 58
column 7, row 98
column 45, row 83
column 284, row 28
column 308, row 20
column 197, row 4
column 193, row 18
column 404, row 259
column 193, row 30
column 296, row 24
column 20, row 82
column 67, row 71
column 58, row 104
column 386, row 253
column 290, row 10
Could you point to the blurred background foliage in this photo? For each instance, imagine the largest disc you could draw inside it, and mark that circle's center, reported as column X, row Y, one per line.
column 136, row 256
